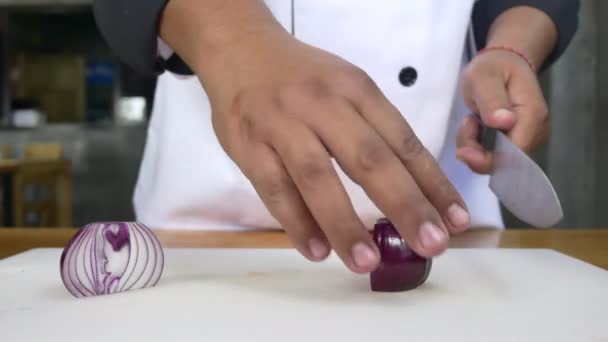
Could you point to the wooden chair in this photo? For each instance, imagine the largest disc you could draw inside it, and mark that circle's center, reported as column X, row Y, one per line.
column 44, row 151
column 42, row 184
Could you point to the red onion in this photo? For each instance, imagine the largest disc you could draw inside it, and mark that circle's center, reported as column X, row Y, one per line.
column 111, row 257
column 400, row 268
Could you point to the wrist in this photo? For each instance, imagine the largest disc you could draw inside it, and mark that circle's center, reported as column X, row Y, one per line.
column 202, row 32
column 526, row 31
column 512, row 50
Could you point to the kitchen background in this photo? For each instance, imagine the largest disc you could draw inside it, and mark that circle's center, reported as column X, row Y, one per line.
column 61, row 84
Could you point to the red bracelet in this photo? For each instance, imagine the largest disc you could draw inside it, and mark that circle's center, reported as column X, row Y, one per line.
column 509, row 49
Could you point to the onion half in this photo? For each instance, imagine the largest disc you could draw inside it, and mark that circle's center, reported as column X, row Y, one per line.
column 110, row 257
column 400, row 268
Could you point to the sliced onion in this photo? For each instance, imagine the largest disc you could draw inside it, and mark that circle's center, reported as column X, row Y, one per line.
column 111, row 257
column 65, row 259
column 86, row 263
column 79, row 265
column 400, row 268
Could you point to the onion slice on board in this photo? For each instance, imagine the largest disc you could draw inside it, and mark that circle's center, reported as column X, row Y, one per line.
column 110, row 257
column 400, row 268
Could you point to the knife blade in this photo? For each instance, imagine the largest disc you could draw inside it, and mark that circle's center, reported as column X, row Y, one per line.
column 519, row 183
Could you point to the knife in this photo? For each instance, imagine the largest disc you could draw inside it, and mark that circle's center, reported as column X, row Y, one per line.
column 519, row 183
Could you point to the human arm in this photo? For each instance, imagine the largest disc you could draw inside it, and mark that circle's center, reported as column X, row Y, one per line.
column 283, row 109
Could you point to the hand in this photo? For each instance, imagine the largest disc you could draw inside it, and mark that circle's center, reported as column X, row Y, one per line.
column 502, row 88
column 283, row 109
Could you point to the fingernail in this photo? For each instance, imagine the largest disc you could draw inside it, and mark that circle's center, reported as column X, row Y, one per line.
column 503, row 114
column 431, row 236
column 458, row 216
column 364, row 256
column 318, row 249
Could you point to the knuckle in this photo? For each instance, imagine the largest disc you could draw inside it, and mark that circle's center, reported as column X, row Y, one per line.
column 274, row 187
column 411, row 148
column 470, row 73
column 241, row 108
column 407, row 200
column 443, row 190
column 239, row 102
column 248, row 125
column 467, row 75
column 303, row 94
column 361, row 78
column 257, row 125
column 318, row 89
column 399, row 201
column 311, row 172
column 342, row 226
column 366, row 83
column 253, row 111
column 242, row 101
column 287, row 97
column 356, row 78
column 372, row 155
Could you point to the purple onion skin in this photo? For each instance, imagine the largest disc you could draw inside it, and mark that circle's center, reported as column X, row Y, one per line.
column 65, row 250
column 119, row 239
column 400, row 268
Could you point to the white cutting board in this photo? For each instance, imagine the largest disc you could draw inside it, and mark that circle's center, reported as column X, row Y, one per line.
column 276, row 295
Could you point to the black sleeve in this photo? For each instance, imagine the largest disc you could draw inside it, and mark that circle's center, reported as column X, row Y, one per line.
column 130, row 28
column 564, row 14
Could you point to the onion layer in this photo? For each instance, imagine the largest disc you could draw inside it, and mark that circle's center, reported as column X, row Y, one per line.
column 400, row 268
column 111, row 257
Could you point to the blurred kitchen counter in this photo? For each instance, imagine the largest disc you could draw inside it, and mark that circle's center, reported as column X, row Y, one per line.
column 589, row 245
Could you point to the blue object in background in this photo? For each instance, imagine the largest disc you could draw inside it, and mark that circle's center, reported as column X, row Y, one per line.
column 100, row 79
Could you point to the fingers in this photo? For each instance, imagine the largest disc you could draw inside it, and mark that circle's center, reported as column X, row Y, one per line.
column 371, row 163
column 504, row 105
column 469, row 149
column 309, row 165
column 489, row 98
column 281, row 197
column 532, row 128
column 423, row 170
column 509, row 98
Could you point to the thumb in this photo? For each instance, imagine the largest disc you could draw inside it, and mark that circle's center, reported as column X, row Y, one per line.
column 489, row 94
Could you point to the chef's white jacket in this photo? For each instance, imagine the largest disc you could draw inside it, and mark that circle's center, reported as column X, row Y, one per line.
column 414, row 51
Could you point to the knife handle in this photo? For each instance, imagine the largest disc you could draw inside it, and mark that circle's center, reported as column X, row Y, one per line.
column 487, row 138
